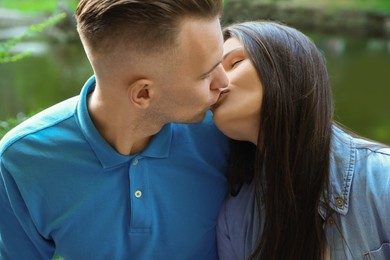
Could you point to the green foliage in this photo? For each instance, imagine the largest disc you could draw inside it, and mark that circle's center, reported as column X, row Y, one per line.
column 5, row 126
column 5, row 47
column 29, row 5
column 10, row 123
column 32, row 6
column 57, row 257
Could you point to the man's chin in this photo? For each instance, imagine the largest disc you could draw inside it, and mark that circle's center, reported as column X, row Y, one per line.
column 195, row 119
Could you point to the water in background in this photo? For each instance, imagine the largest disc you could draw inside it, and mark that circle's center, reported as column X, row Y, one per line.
column 53, row 73
column 359, row 72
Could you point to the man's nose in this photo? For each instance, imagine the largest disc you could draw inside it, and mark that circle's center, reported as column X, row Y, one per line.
column 220, row 80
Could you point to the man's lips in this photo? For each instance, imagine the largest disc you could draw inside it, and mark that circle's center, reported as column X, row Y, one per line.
column 225, row 91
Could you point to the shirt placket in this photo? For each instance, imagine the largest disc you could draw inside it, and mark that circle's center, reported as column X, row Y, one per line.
column 141, row 220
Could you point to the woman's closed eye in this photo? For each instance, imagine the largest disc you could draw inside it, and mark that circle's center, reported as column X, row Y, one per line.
column 235, row 62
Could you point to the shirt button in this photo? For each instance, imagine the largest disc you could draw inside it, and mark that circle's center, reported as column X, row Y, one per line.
column 135, row 162
column 339, row 202
column 138, row 194
column 331, row 221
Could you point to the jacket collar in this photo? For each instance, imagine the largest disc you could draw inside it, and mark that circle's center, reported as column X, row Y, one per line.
column 342, row 167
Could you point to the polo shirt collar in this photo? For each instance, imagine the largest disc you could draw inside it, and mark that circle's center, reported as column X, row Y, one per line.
column 159, row 146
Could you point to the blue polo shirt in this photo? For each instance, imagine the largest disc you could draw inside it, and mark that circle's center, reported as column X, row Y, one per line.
column 63, row 188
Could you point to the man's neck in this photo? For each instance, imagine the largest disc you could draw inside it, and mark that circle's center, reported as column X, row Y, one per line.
column 127, row 133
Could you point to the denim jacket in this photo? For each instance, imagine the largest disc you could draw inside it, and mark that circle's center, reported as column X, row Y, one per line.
column 359, row 194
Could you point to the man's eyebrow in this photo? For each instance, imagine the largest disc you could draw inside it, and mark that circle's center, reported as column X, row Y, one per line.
column 213, row 68
column 227, row 54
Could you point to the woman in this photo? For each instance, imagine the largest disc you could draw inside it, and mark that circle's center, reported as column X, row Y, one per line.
column 301, row 188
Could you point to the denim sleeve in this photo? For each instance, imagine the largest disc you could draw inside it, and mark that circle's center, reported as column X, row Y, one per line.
column 19, row 238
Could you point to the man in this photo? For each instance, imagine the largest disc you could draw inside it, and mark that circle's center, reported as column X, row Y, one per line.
column 107, row 175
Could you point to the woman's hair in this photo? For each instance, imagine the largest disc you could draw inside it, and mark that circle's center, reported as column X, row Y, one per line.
column 149, row 24
column 289, row 167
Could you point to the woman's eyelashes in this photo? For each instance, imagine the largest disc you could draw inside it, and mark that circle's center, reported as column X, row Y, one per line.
column 232, row 60
column 235, row 62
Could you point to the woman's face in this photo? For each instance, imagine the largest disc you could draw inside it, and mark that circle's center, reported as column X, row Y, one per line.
column 237, row 114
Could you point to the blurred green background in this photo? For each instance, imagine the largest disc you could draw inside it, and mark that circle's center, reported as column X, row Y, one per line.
column 358, row 60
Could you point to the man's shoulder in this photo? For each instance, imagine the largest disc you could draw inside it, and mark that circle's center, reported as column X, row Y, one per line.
column 42, row 120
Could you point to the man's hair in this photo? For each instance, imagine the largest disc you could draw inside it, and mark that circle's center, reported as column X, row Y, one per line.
column 148, row 25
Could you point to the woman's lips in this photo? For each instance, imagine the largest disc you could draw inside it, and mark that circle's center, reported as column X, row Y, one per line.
column 223, row 92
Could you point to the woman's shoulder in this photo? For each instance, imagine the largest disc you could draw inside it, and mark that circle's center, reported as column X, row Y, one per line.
column 358, row 166
column 238, row 209
column 372, row 168
column 242, row 201
column 238, row 224
column 356, row 151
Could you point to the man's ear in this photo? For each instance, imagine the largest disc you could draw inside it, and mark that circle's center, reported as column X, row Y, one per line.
column 140, row 93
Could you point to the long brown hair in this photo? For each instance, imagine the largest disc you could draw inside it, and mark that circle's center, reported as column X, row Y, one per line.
column 289, row 167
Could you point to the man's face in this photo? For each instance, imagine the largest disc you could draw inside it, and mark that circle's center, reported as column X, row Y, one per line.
column 194, row 76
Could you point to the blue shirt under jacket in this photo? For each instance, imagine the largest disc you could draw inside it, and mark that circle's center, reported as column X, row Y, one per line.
column 63, row 188
column 359, row 193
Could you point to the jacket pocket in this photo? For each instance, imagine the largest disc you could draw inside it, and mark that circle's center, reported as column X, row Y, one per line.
column 382, row 253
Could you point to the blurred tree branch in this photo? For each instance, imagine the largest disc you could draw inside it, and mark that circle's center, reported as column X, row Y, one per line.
column 5, row 47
